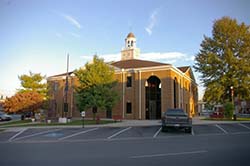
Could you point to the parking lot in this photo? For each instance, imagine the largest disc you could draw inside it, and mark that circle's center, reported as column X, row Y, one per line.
column 115, row 133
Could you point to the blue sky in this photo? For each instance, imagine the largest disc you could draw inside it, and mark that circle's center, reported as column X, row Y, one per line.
column 36, row 35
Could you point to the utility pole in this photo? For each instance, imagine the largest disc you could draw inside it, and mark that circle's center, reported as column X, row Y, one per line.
column 65, row 104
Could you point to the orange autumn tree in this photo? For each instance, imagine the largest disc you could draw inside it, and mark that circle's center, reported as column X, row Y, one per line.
column 31, row 96
column 23, row 102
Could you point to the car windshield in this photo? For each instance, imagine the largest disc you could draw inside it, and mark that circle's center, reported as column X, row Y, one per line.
column 179, row 112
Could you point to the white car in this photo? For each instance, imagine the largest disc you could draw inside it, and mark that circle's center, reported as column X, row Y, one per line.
column 4, row 117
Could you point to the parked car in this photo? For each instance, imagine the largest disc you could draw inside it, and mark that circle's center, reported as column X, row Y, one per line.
column 5, row 117
column 176, row 118
column 218, row 112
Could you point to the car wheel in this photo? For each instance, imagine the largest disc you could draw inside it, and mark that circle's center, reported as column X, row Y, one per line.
column 164, row 129
column 188, row 130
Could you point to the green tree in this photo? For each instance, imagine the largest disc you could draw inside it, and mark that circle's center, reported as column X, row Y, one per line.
column 223, row 61
column 96, row 86
column 34, row 82
column 228, row 110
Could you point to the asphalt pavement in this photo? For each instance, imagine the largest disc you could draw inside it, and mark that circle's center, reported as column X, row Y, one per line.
column 222, row 149
column 208, row 144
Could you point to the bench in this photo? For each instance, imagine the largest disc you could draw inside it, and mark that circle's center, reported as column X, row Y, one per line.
column 117, row 118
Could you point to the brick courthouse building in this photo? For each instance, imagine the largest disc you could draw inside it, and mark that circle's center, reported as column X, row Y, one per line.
column 146, row 88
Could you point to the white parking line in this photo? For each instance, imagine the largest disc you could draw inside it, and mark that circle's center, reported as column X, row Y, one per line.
column 36, row 134
column 169, row 154
column 72, row 135
column 158, row 131
column 20, row 132
column 219, row 127
column 114, row 135
column 244, row 126
column 192, row 132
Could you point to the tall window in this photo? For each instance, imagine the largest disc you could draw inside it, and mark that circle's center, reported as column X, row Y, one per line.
column 129, row 81
column 129, row 108
column 175, row 93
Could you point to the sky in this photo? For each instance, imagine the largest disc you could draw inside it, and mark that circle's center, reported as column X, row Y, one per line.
column 37, row 35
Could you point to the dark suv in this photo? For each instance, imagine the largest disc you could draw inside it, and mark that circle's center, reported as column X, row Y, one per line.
column 176, row 118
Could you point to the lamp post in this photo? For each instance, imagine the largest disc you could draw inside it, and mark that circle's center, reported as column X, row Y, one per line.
column 232, row 96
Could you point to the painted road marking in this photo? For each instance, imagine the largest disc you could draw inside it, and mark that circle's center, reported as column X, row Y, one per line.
column 20, row 132
column 36, row 134
column 244, row 126
column 82, row 132
column 223, row 130
column 192, row 131
column 118, row 133
column 158, row 131
column 169, row 154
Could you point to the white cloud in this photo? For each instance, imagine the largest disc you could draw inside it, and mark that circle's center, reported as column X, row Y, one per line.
column 152, row 22
column 175, row 58
column 160, row 56
column 71, row 20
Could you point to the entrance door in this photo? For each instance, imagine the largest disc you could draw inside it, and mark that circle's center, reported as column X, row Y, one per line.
column 153, row 98
column 152, row 109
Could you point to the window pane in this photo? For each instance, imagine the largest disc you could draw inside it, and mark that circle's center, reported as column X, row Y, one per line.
column 129, row 108
column 129, row 81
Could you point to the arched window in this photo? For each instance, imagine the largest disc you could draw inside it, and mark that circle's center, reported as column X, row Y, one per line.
column 175, row 92
column 128, row 43
column 131, row 43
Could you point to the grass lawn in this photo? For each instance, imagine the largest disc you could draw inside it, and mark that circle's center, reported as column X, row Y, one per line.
column 72, row 123
column 15, row 122
column 226, row 119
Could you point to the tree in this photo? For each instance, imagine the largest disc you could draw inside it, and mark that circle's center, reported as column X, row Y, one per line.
column 228, row 110
column 30, row 97
column 223, row 61
column 34, row 82
column 96, row 86
column 23, row 102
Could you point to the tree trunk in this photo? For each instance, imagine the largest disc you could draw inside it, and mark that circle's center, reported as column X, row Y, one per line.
column 94, row 110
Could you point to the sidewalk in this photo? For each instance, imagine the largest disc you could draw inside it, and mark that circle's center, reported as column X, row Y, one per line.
column 132, row 123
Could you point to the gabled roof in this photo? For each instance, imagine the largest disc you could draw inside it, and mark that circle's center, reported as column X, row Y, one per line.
column 188, row 71
column 183, row 68
column 63, row 74
column 136, row 63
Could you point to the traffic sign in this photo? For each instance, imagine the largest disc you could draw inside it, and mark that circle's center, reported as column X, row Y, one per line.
column 83, row 113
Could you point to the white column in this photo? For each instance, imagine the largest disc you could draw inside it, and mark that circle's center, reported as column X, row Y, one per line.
column 179, row 95
column 123, row 94
column 139, row 72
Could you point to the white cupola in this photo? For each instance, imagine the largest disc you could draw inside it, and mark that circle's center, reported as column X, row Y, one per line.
column 130, row 51
column 130, row 41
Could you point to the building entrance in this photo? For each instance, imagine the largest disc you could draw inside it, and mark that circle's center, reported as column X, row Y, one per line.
column 153, row 98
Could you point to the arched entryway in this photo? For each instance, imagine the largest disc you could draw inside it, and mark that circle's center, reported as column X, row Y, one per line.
column 153, row 98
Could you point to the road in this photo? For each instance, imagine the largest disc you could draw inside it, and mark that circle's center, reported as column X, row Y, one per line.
column 208, row 145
